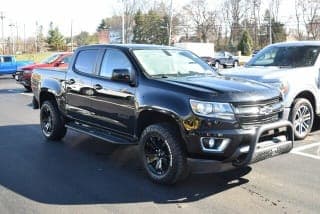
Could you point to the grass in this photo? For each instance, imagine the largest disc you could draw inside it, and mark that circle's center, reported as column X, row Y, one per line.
column 36, row 57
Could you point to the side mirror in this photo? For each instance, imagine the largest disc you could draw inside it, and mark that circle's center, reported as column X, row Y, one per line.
column 121, row 75
column 57, row 64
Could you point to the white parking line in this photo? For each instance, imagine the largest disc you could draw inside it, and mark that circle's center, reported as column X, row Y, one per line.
column 298, row 151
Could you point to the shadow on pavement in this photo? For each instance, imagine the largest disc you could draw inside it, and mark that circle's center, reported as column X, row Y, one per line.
column 83, row 170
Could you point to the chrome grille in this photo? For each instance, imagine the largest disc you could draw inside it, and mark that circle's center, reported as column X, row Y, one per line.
column 253, row 114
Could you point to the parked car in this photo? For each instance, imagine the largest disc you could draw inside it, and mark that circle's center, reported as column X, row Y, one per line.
column 182, row 114
column 225, row 59
column 58, row 60
column 209, row 60
column 293, row 68
column 9, row 64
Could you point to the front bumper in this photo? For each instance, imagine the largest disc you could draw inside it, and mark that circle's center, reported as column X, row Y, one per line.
column 23, row 80
column 245, row 147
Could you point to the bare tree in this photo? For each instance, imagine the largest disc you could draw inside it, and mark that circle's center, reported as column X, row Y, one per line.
column 274, row 8
column 299, row 18
column 234, row 10
column 310, row 12
column 202, row 18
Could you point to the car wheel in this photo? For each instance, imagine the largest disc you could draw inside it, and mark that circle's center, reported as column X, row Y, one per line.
column 302, row 117
column 217, row 64
column 163, row 156
column 52, row 122
column 236, row 64
column 28, row 88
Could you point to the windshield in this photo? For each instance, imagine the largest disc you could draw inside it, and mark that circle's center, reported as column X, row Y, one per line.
column 295, row 56
column 51, row 59
column 170, row 62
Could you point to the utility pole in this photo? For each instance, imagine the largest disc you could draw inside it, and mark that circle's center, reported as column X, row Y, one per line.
column 170, row 22
column 2, row 31
column 12, row 36
column 71, row 36
column 270, row 26
column 123, row 41
column 36, row 40
column 24, row 38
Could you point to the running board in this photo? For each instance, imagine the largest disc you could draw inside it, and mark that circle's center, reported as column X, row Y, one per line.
column 100, row 134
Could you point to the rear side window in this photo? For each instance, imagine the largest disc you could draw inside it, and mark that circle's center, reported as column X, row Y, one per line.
column 114, row 59
column 86, row 61
column 7, row 59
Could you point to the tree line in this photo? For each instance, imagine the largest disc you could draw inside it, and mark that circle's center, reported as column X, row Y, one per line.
column 231, row 25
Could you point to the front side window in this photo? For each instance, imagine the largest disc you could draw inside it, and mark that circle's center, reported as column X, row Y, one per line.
column 172, row 62
column 86, row 61
column 7, row 59
column 114, row 59
column 290, row 56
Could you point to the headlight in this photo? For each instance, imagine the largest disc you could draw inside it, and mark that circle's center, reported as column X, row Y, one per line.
column 283, row 86
column 212, row 109
column 27, row 71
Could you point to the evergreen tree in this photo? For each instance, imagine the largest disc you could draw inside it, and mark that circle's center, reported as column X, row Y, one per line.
column 139, row 28
column 55, row 38
column 245, row 44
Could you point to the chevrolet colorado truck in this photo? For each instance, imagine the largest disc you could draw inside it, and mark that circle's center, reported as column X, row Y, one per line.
column 184, row 116
column 294, row 68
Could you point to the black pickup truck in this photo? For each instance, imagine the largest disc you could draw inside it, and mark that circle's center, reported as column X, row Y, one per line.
column 183, row 115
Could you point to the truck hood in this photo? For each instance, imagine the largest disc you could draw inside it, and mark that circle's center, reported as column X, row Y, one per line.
column 263, row 74
column 229, row 89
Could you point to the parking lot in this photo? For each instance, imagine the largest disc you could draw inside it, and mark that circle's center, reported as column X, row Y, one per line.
column 82, row 174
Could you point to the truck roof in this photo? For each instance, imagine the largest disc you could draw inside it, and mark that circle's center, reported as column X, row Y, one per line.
column 132, row 46
column 297, row 43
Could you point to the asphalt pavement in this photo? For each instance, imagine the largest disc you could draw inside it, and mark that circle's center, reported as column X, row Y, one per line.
column 81, row 174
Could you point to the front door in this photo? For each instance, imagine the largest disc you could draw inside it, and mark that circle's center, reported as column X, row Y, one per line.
column 114, row 102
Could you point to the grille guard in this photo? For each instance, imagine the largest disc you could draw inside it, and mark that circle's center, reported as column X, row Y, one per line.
column 255, row 154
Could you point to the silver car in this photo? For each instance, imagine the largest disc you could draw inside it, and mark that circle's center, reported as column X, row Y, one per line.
column 294, row 68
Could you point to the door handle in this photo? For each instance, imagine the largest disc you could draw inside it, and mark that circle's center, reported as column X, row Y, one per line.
column 97, row 87
column 71, row 81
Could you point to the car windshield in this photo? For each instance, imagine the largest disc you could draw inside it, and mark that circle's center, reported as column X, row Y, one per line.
column 171, row 62
column 51, row 59
column 294, row 56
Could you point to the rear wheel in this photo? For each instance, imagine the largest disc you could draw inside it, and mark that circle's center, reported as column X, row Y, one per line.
column 28, row 88
column 162, row 153
column 302, row 117
column 52, row 122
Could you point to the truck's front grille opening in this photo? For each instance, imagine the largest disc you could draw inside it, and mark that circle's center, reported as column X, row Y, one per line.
column 275, row 135
column 254, row 114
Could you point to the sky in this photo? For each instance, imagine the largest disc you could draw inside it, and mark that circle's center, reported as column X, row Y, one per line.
column 85, row 15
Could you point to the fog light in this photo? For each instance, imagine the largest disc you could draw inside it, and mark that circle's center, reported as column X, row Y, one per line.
column 211, row 142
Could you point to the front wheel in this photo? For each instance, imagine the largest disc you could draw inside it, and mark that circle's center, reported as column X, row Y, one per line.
column 236, row 64
column 163, row 156
column 302, row 117
column 52, row 122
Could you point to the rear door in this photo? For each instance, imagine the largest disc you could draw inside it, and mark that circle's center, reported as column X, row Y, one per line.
column 78, row 85
column 114, row 102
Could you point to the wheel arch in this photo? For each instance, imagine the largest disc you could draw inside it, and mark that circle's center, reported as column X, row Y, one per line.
column 309, row 96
